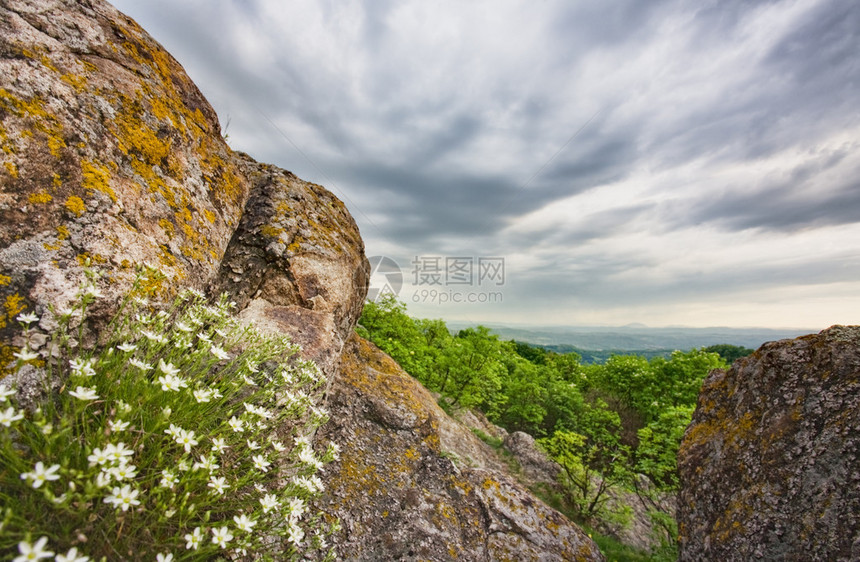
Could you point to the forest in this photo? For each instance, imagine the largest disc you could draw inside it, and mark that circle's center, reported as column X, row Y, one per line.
column 611, row 426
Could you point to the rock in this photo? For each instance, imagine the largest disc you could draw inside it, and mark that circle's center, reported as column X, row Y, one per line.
column 400, row 498
column 296, row 263
column 110, row 154
column 534, row 462
column 769, row 465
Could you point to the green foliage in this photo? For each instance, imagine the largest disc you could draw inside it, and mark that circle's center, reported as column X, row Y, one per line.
column 602, row 423
column 590, row 468
column 729, row 353
column 182, row 435
column 658, row 446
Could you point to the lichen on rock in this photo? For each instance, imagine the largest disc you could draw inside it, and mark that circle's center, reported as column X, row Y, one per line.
column 769, row 465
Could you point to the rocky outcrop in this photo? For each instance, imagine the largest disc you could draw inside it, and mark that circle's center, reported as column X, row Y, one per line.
column 769, row 466
column 533, row 461
column 296, row 263
column 402, row 496
column 112, row 158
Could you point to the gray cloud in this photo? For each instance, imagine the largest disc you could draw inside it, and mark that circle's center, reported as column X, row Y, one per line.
column 447, row 127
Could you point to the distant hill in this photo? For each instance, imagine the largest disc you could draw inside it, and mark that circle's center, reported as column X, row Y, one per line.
column 600, row 341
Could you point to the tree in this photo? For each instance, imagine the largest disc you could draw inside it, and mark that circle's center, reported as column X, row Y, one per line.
column 588, row 472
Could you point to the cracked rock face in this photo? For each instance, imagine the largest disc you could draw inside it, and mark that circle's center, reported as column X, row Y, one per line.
column 400, row 497
column 770, row 465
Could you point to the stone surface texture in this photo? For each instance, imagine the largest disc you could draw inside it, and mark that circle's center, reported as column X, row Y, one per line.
column 769, row 465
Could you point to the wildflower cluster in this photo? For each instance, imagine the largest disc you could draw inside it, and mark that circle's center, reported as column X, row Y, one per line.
column 181, row 438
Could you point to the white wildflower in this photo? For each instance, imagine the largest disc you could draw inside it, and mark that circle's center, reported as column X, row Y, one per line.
column 269, row 502
column 142, row 365
column 72, row 556
column 28, row 318
column 167, row 368
column 244, row 523
column 194, row 539
column 218, row 484
column 25, row 354
column 40, row 474
column 219, row 445
column 168, row 479
column 206, row 463
column 236, row 424
column 171, row 382
column 219, row 352
column 33, row 551
column 84, row 393
column 123, row 498
column 221, row 536
column 10, row 415
column 118, row 425
column 261, row 463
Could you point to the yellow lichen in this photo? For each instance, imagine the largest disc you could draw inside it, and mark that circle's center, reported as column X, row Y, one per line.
column 13, row 305
column 97, row 178
column 271, row 231
column 5, row 279
column 62, row 232
column 79, row 83
column 76, row 205
column 46, row 62
column 40, row 197
column 42, row 120
column 166, row 225
column 11, row 168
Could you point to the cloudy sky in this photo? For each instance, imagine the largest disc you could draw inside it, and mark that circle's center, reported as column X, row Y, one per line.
column 677, row 162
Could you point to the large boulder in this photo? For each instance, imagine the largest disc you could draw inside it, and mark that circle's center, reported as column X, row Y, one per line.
column 111, row 156
column 402, row 496
column 769, row 466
